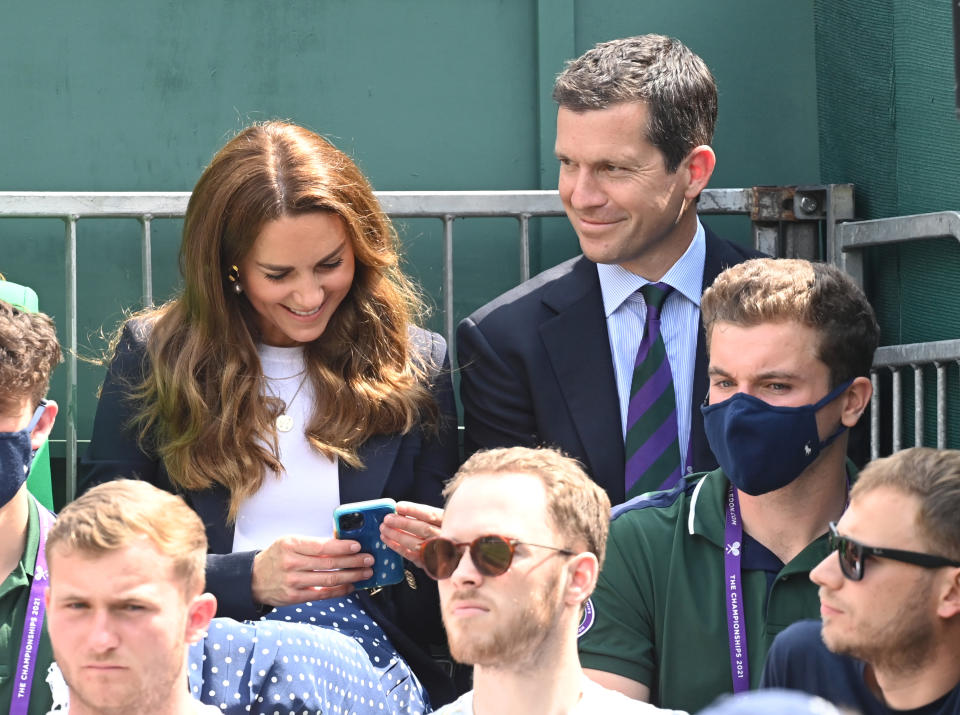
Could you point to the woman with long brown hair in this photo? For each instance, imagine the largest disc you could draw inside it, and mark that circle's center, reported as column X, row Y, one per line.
column 288, row 377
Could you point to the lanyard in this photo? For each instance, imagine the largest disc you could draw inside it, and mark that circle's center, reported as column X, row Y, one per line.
column 32, row 622
column 736, row 619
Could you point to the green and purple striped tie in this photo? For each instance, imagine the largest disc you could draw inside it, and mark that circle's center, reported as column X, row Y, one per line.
column 652, row 445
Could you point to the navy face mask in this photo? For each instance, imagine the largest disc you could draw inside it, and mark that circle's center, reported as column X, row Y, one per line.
column 16, row 456
column 763, row 447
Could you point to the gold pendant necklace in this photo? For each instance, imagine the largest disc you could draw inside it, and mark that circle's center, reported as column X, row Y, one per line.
column 284, row 422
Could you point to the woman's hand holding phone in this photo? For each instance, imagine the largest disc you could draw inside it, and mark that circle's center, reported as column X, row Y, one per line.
column 296, row 569
column 409, row 527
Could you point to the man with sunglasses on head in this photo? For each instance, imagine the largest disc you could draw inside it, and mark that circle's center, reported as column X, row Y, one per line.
column 522, row 540
column 890, row 596
column 699, row 579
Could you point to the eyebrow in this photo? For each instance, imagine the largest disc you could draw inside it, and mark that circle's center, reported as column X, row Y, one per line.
column 115, row 601
column 770, row 375
column 333, row 254
column 623, row 160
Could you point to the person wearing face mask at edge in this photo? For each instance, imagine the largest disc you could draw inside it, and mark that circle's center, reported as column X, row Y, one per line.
column 287, row 378
column 699, row 579
column 29, row 352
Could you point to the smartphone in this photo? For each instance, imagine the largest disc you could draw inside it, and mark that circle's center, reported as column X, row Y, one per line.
column 360, row 521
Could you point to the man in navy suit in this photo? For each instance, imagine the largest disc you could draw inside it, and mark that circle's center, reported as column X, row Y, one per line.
column 551, row 361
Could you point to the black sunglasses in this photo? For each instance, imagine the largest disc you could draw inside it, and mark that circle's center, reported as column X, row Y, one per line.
column 491, row 554
column 852, row 555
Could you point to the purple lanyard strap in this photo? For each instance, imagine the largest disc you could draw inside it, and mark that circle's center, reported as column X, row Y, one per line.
column 736, row 619
column 32, row 622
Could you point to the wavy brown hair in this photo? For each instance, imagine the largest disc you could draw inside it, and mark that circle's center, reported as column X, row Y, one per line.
column 202, row 407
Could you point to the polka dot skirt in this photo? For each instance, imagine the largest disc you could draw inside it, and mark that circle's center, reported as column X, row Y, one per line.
column 323, row 657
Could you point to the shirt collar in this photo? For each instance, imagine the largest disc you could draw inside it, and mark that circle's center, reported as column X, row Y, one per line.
column 22, row 573
column 33, row 538
column 685, row 276
column 707, row 515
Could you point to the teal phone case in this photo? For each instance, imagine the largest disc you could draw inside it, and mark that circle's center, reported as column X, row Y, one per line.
column 360, row 521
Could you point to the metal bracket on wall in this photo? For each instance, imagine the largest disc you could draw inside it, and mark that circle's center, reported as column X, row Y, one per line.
column 852, row 238
column 787, row 220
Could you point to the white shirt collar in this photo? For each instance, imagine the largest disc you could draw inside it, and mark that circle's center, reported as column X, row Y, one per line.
column 685, row 276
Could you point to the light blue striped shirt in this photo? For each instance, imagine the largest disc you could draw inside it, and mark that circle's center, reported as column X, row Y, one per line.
column 626, row 313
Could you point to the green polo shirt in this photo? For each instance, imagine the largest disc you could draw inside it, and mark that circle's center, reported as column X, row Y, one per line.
column 660, row 611
column 14, row 595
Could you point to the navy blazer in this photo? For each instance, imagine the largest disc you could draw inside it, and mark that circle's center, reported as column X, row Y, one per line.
column 536, row 369
column 411, row 466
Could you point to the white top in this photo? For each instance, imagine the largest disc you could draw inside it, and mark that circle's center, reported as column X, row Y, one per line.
column 626, row 314
column 301, row 499
column 61, row 696
column 594, row 699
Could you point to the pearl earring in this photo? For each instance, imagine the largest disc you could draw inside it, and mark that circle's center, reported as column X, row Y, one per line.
column 233, row 275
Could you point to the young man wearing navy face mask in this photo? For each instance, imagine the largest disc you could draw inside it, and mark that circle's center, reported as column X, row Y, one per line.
column 699, row 579
column 28, row 353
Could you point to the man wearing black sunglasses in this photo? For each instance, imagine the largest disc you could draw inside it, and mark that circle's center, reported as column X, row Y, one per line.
column 890, row 595
column 700, row 578
column 523, row 535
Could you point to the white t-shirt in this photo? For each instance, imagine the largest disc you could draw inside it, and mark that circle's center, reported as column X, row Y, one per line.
column 61, row 696
column 595, row 699
column 301, row 499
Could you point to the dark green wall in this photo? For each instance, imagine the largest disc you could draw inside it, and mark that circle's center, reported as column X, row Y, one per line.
column 425, row 94
column 888, row 124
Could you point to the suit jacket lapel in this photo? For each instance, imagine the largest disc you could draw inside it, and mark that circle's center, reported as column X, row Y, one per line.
column 717, row 258
column 702, row 456
column 378, row 454
column 578, row 348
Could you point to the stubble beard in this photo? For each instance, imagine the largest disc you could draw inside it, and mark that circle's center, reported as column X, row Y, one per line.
column 147, row 696
column 517, row 638
column 901, row 645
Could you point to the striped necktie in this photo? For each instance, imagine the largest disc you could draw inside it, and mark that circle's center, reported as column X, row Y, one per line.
column 652, row 446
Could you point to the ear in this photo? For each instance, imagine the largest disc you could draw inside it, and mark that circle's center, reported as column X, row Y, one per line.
column 855, row 400
column 199, row 614
column 949, row 604
column 44, row 425
column 699, row 163
column 583, row 569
